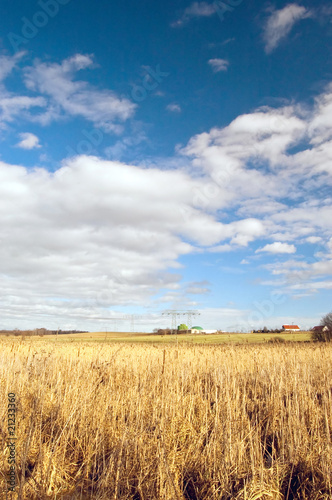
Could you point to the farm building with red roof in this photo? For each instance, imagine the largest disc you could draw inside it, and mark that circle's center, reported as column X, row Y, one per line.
column 320, row 328
column 291, row 327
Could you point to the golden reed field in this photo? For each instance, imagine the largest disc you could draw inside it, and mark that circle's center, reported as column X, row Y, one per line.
column 112, row 422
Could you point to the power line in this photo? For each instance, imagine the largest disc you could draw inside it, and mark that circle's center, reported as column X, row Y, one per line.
column 174, row 313
column 190, row 316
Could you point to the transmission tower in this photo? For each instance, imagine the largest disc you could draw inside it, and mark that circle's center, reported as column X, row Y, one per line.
column 190, row 316
column 176, row 313
column 132, row 318
column 116, row 319
column 115, row 323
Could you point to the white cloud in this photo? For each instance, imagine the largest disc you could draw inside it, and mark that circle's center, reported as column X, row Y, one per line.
column 320, row 129
column 305, row 215
column 8, row 63
column 12, row 106
column 221, row 248
column 196, row 9
column 278, row 247
column 254, row 173
column 247, row 230
column 28, row 141
column 97, row 234
column 59, row 95
column 251, row 152
column 280, row 23
column 228, row 40
column 218, row 65
column 174, row 108
column 329, row 244
column 295, row 275
column 68, row 96
column 314, row 239
column 131, row 142
column 86, row 235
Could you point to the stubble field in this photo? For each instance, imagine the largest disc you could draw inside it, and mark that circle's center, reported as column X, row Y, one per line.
column 127, row 421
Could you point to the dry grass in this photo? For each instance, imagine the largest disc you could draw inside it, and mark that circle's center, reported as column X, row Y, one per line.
column 154, row 422
column 148, row 338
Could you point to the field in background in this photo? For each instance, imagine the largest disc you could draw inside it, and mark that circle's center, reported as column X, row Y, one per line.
column 147, row 422
column 111, row 337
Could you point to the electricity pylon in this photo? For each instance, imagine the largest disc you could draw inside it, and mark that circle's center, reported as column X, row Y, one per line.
column 190, row 316
column 175, row 313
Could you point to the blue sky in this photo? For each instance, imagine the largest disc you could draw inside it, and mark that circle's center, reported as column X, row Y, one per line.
column 173, row 155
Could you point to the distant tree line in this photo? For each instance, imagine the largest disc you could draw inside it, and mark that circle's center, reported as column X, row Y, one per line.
column 266, row 330
column 168, row 331
column 39, row 331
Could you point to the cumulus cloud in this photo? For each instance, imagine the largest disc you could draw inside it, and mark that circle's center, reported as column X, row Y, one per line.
column 262, row 137
column 255, row 173
column 28, row 141
column 218, row 65
column 83, row 238
column 280, row 23
column 196, row 9
column 278, row 247
column 97, row 234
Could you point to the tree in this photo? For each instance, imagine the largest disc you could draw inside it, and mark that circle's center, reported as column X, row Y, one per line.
column 164, row 331
column 182, row 327
column 324, row 334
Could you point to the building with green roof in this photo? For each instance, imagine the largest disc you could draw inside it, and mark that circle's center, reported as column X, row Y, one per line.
column 197, row 329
